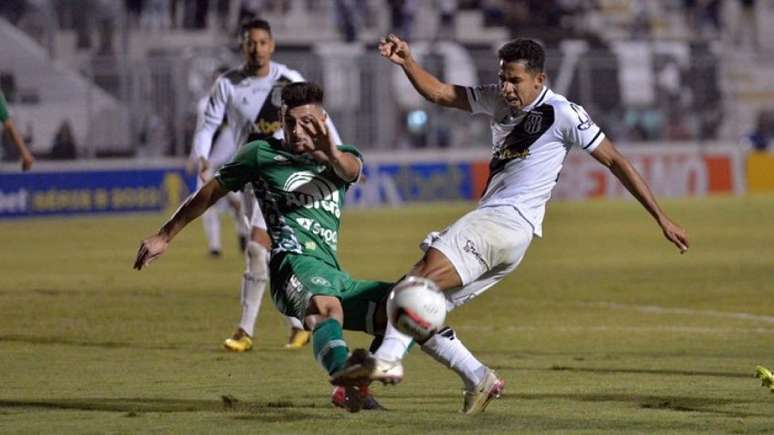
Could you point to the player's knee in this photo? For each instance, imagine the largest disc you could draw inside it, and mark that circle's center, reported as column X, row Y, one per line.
column 257, row 261
column 435, row 266
column 326, row 307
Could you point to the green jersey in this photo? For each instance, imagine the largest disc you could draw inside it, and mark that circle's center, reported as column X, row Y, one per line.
column 301, row 199
column 4, row 114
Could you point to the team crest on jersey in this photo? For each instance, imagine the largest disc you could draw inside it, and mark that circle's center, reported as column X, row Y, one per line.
column 318, row 280
column 306, row 189
column 533, row 123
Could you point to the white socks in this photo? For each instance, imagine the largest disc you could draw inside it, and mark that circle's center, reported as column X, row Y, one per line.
column 294, row 323
column 253, row 285
column 445, row 348
column 211, row 222
column 394, row 346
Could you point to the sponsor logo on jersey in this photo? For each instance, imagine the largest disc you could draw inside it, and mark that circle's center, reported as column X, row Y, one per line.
column 280, row 158
column 306, row 189
column 470, row 248
column 330, row 236
column 584, row 119
column 265, row 127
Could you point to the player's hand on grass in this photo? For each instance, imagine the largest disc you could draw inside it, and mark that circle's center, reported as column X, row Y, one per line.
column 675, row 234
column 394, row 49
column 150, row 249
column 26, row 161
column 324, row 150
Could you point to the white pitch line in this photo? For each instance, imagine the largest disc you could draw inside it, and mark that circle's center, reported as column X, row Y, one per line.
column 616, row 328
column 656, row 309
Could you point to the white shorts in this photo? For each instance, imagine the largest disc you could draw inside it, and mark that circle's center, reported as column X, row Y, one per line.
column 484, row 246
column 252, row 209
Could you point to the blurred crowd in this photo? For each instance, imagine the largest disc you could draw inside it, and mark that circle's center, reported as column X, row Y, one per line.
column 549, row 20
column 687, row 103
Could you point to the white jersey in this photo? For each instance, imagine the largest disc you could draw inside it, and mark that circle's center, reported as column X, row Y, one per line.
column 529, row 148
column 223, row 148
column 251, row 104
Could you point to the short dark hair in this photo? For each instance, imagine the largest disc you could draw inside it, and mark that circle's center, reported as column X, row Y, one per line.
column 254, row 23
column 526, row 50
column 301, row 93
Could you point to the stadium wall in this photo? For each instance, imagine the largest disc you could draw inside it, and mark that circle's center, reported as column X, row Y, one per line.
column 390, row 179
column 760, row 172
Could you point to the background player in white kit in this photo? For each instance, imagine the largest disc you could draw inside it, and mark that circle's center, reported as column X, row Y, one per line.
column 223, row 150
column 250, row 98
column 533, row 129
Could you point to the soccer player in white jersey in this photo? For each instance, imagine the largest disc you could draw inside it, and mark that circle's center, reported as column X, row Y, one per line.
column 533, row 129
column 223, row 150
column 250, row 98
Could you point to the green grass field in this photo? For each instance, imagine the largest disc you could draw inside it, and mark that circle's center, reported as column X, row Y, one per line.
column 604, row 328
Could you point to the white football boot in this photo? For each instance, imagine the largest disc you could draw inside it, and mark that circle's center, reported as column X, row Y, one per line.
column 362, row 367
column 476, row 401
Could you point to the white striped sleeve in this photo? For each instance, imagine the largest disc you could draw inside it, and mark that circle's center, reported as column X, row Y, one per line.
column 211, row 118
column 578, row 128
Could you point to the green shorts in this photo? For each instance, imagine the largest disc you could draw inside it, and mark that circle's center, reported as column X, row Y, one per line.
column 296, row 278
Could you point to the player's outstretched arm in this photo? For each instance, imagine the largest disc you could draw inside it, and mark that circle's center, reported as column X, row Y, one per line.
column 607, row 154
column 434, row 90
column 24, row 153
column 196, row 204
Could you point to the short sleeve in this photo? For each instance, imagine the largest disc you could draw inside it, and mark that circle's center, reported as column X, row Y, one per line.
column 578, row 128
column 355, row 152
column 244, row 168
column 483, row 99
column 4, row 113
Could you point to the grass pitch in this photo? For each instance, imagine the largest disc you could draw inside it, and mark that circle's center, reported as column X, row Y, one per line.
column 604, row 328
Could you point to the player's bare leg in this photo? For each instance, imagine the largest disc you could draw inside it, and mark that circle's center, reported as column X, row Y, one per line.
column 253, row 286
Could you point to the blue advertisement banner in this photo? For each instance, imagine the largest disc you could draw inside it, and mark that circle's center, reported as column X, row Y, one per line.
column 111, row 191
column 89, row 192
column 394, row 184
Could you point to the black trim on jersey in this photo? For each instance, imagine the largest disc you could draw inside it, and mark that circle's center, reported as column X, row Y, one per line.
column 542, row 96
column 595, row 138
column 516, row 145
column 267, row 122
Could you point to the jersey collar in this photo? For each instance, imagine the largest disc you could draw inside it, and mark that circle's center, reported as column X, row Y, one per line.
column 538, row 101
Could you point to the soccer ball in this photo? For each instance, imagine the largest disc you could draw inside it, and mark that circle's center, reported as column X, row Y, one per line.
column 417, row 307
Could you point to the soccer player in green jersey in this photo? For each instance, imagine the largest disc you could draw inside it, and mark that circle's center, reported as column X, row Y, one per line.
column 300, row 182
column 5, row 119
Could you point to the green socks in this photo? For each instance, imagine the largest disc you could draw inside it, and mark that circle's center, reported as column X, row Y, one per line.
column 330, row 349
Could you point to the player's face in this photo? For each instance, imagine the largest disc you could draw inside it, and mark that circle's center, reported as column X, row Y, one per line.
column 257, row 48
column 518, row 86
column 296, row 138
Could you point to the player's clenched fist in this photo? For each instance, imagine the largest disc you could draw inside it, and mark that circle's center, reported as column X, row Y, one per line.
column 150, row 249
column 394, row 49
